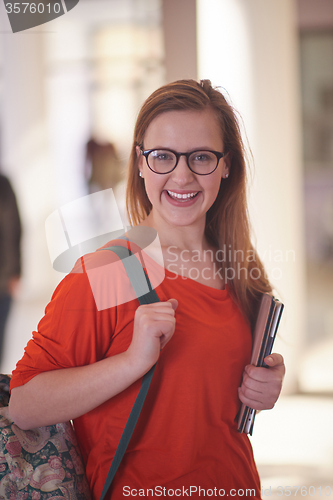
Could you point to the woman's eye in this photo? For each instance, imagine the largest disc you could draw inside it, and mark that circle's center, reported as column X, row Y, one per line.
column 201, row 157
column 162, row 156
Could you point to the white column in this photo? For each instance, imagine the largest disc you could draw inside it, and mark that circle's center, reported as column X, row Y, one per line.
column 179, row 27
column 249, row 47
column 26, row 160
column 25, row 148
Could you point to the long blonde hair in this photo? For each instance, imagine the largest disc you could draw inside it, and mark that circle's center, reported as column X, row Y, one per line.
column 227, row 221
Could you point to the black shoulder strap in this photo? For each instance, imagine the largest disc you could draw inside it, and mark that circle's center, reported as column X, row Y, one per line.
column 136, row 275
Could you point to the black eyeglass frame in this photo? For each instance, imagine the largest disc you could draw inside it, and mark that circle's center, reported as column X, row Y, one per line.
column 147, row 152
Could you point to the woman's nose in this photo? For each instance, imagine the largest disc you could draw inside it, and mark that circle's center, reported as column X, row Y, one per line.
column 182, row 173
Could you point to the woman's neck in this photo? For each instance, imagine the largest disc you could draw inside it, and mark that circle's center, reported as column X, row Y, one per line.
column 183, row 237
column 187, row 252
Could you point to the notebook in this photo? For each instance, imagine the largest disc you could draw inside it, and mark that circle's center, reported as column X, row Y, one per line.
column 265, row 329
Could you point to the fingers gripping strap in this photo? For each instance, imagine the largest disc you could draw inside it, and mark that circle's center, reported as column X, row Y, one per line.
column 137, row 275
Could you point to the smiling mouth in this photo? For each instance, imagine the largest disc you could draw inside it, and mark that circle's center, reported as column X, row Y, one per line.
column 185, row 196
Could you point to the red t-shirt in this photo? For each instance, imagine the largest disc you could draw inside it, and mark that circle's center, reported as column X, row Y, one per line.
column 186, row 437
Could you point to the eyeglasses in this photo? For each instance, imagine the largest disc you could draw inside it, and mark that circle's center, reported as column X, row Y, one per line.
column 200, row 162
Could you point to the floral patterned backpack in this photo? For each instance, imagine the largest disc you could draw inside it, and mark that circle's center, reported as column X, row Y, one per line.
column 39, row 464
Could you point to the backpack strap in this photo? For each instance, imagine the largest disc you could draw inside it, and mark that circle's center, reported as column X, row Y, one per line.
column 134, row 271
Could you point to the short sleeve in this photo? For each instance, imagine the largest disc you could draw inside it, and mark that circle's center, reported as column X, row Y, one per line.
column 71, row 333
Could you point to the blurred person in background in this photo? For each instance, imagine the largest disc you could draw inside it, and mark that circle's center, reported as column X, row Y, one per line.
column 103, row 168
column 10, row 252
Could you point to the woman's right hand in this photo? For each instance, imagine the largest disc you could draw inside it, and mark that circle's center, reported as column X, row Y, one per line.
column 154, row 325
column 40, row 401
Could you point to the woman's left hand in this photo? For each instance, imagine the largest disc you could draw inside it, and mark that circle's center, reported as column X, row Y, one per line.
column 261, row 387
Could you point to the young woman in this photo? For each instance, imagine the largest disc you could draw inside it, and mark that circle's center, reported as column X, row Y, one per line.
column 187, row 181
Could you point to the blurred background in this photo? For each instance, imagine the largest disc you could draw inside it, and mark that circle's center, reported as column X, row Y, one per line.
column 70, row 91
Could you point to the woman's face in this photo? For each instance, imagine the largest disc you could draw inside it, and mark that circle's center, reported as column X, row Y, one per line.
column 182, row 198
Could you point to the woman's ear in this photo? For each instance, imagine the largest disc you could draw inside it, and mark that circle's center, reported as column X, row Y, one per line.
column 139, row 156
column 227, row 165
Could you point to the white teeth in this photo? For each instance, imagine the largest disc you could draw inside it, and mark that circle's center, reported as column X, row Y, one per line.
column 182, row 196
